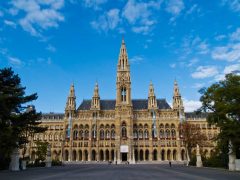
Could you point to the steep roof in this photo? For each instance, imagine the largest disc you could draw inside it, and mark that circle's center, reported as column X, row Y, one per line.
column 138, row 104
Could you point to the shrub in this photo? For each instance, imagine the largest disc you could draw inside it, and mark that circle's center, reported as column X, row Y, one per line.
column 56, row 163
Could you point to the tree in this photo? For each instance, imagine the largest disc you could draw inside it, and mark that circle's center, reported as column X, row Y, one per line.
column 16, row 120
column 191, row 135
column 222, row 100
column 41, row 151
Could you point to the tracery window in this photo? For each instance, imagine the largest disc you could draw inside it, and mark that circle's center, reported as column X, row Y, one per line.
column 161, row 133
column 124, row 130
column 123, row 94
column 167, row 133
column 101, row 134
column 86, row 134
column 173, row 133
column 75, row 135
column 107, row 134
column 135, row 134
column 146, row 134
column 112, row 134
column 140, row 134
column 81, row 134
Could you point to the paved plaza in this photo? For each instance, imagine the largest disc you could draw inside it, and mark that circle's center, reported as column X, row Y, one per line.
column 124, row 172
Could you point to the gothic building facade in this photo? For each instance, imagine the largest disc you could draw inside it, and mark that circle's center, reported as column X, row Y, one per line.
column 123, row 129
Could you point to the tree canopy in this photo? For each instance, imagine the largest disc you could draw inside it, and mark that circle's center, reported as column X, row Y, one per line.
column 191, row 135
column 222, row 101
column 17, row 120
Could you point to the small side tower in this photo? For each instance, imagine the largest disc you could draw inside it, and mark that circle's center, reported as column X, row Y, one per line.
column 70, row 108
column 177, row 101
column 95, row 105
column 152, row 102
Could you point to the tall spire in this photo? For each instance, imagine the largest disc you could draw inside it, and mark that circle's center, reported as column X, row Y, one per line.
column 123, row 57
column 71, row 102
column 123, row 78
column 152, row 103
column 96, row 98
column 177, row 100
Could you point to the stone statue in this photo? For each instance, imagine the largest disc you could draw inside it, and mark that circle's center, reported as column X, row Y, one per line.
column 199, row 159
column 232, row 157
column 48, row 158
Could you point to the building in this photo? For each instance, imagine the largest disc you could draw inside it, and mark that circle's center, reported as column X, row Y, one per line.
column 123, row 129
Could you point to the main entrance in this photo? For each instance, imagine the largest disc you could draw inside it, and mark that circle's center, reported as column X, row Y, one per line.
column 124, row 156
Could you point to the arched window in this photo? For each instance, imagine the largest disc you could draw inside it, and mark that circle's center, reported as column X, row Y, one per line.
column 146, row 134
column 75, row 135
column 112, row 134
column 86, row 134
column 56, row 137
column 123, row 94
column 107, row 134
column 140, row 134
column 161, row 133
column 50, row 137
column 101, row 134
column 173, row 133
column 45, row 137
column 81, row 134
column 93, row 134
column 167, row 133
column 124, row 130
column 135, row 134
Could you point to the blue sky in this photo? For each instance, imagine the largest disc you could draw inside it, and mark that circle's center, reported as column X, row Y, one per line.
column 52, row 43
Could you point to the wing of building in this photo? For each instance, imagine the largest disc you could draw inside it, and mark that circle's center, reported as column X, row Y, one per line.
column 121, row 129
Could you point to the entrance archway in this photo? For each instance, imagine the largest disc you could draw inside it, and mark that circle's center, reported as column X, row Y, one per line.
column 174, row 154
column 136, row 154
column 85, row 155
column 74, row 155
column 141, row 155
column 147, row 155
column 93, row 155
column 155, row 155
column 107, row 155
column 112, row 155
column 124, row 156
column 169, row 155
column 163, row 155
column 101, row 155
column 66, row 155
column 80, row 155
column 183, row 155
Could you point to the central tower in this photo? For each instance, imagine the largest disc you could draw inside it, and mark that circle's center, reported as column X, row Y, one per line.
column 123, row 78
column 124, row 108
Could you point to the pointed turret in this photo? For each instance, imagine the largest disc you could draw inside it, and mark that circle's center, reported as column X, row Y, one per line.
column 70, row 108
column 152, row 102
column 177, row 100
column 96, row 98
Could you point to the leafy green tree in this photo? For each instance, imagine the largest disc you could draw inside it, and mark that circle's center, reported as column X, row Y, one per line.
column 41, row 151
column 222, row 101
column 191, row 135
column 17, row 122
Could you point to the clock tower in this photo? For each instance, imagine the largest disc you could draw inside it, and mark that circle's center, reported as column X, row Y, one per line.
column 124, row 109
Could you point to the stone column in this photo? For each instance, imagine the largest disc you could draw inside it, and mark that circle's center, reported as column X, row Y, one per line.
column 232, row 157
column 14, row 164
column 48, row 158
column 133, row 158
column 199, row 159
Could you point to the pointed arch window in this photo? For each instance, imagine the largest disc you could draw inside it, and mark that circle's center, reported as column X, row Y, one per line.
column 123, row 94
column 101, row 134
column 124, row 130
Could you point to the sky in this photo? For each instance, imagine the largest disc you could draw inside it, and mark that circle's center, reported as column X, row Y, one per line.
column 54, row 43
